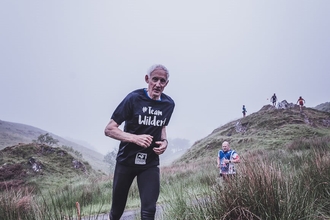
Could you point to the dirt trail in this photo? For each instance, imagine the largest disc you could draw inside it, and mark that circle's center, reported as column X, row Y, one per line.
column 127, row 215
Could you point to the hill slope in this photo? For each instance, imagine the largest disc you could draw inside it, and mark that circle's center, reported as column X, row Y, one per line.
column 269, row 128
column 12, row 134
column 39, row 166
column 323, row 107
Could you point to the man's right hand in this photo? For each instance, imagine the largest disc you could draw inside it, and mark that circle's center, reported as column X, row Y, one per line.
column 143, row 140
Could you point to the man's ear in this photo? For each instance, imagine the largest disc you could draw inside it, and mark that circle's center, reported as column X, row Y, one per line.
column 146, row 78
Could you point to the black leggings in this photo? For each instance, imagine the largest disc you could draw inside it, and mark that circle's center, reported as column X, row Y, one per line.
column 148, row 183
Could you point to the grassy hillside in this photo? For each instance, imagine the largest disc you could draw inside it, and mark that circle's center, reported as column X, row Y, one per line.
column 40, row 166
column 12, row 134
column 269, row 128
column 284, row 174
column 323, row 107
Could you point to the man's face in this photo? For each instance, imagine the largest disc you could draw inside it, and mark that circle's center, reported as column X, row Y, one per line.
column 156, row 83
column 225, row 147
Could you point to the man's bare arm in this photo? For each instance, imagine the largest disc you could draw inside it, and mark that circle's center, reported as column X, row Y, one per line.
column 112, row 130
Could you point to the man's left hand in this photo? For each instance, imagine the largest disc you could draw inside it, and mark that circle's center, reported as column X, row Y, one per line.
column 162, row 147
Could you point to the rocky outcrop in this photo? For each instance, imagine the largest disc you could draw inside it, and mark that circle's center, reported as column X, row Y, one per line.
column 35, row 165
column 281, row 105
column 285, row 105
column 240, row 128
column 79, row 165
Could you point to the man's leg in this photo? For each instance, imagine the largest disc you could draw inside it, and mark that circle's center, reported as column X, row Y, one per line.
column 149, row 186
column 122, row 181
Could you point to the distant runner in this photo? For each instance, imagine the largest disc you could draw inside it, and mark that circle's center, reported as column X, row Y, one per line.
column 301, row 103
column 273, row 99
column 226, row 159
column 244, row 111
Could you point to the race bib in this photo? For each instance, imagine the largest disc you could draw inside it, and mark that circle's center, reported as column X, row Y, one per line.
column 141, row 158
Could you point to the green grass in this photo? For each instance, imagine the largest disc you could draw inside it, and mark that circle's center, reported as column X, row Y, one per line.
column 287, row 183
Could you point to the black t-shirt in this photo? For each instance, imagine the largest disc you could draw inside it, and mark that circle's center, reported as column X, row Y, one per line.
column 142, row 115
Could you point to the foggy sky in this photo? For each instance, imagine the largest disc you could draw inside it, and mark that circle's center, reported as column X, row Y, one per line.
column 66, row 65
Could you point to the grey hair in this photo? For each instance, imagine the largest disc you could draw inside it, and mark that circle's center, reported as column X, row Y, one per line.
column 158, row 66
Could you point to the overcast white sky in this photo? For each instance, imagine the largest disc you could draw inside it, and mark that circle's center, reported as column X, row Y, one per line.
column 65, row 65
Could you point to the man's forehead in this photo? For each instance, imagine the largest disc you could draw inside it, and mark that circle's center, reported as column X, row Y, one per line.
column 158, row 71
column 158, row 75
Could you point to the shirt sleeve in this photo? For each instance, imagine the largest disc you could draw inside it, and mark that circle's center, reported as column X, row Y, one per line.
column 124, row 110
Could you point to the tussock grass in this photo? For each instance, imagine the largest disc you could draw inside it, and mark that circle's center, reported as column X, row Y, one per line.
column 282, row 184
column 57, row 204
column 17, row 204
